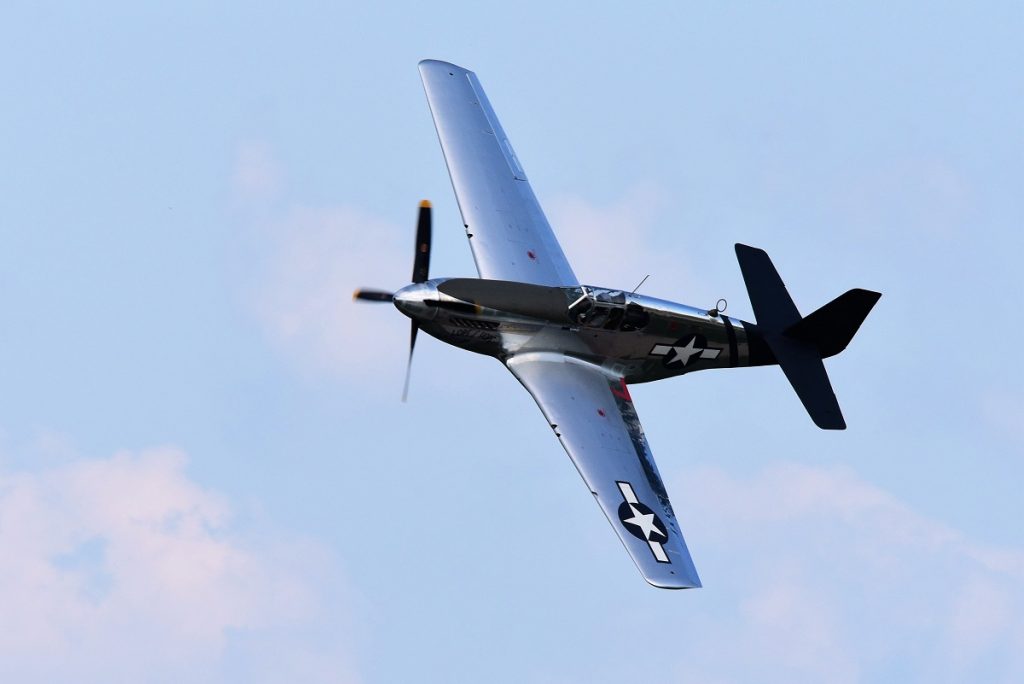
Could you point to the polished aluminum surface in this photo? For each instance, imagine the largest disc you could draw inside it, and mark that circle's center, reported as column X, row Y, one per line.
column 592, row 415
column 418, row 301
column 508, row 232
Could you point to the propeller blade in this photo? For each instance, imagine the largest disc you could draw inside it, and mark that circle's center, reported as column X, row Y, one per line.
column 373, row 295
column 408, row 366
column 421, row 262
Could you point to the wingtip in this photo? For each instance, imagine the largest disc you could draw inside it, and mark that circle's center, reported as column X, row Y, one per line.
column 679, row 575
column 440, row 63
column 688, row 583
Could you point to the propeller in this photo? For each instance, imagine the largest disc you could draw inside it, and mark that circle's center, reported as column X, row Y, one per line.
column 420, row 274
column 408, row 366
column 421, row 262
column 373, row 295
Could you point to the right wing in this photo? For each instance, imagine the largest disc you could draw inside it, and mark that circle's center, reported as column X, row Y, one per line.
column 509, row 235
column 592, row 415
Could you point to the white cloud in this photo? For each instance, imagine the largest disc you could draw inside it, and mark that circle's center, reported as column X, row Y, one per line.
column 835, row 579
column 123, row 569
column 313, row 259
column 320, row 256
column 613, row 244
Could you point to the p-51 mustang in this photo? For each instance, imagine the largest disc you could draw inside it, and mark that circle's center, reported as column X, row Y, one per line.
column 576, row 348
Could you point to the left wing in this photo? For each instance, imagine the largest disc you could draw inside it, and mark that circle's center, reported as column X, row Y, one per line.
column 592, row 415
column 509, row 235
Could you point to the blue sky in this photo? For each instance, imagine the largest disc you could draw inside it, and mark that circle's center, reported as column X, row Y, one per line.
column 205, row 471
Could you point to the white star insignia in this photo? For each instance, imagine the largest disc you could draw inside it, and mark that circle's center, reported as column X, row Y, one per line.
column 645, row 522
column 682, row 355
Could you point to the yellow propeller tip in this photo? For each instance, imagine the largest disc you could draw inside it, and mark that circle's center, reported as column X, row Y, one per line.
column 425, row 204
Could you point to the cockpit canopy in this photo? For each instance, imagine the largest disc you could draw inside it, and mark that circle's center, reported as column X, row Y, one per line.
column 598, row 307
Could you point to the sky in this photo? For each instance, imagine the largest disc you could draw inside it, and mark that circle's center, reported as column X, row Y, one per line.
column 206, row 472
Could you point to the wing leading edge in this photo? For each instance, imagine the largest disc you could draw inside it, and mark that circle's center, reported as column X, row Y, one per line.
column 593, row 416
column 509, row 234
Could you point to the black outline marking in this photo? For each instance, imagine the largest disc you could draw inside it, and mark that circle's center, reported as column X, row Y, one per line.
column 731, row 334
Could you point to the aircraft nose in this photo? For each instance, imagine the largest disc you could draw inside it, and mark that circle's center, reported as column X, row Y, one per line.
column 417, row 301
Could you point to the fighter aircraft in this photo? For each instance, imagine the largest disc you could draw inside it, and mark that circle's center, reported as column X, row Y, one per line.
column 576, row 348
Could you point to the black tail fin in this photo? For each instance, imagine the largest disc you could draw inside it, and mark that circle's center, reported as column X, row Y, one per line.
column 799, row 344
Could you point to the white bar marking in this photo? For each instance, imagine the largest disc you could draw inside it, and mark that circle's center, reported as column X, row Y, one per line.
column 627, row 493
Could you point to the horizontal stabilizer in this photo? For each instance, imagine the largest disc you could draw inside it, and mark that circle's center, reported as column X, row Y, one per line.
column 831, row 327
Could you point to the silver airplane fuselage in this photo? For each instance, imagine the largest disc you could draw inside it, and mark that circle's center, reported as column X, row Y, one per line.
column 632, row 336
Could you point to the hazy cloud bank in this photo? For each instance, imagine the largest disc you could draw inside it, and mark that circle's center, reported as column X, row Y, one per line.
column 838, row 580
column 123, row 569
